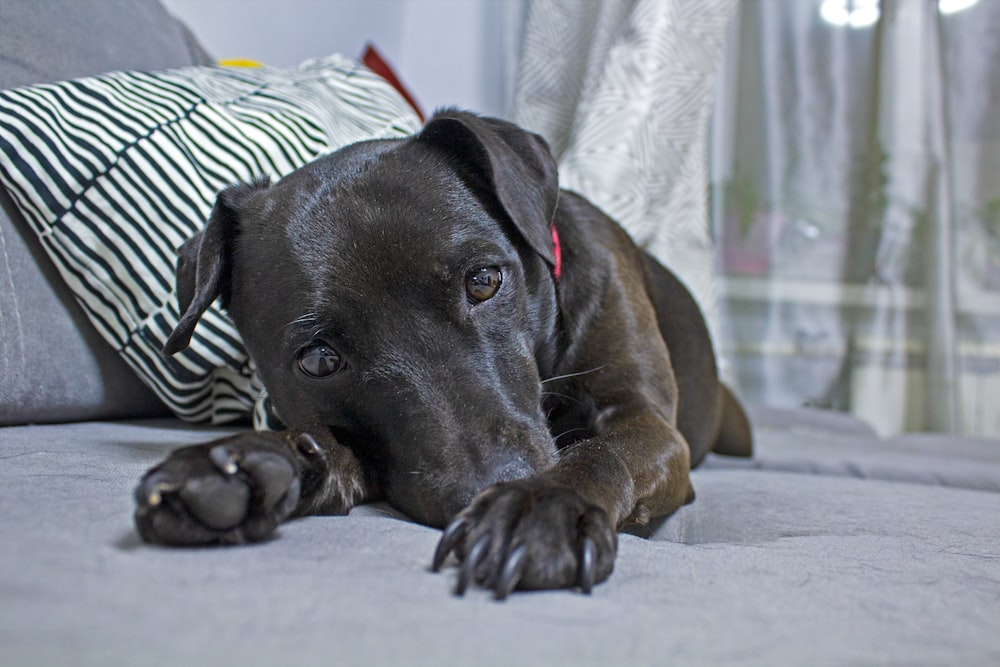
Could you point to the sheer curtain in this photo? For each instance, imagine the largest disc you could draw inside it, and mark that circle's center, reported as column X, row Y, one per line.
column 622, row 90
column 856, row 209
column 854, row 191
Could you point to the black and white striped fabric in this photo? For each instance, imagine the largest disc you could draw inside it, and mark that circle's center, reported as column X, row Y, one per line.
column 115, row 172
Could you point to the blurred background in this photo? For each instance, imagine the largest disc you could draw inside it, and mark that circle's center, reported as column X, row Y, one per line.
column 824, row 174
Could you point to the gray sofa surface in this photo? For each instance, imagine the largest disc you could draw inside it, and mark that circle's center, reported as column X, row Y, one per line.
column 768, row 566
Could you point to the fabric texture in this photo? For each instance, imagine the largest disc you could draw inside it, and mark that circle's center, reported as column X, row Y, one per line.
column 832, row 444
column 53, row 364
column 622, row 89
column 115, row 172
column 857, row 193
column 766, row 567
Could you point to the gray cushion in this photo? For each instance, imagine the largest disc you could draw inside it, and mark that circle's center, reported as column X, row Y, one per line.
column 50, row 40
column 832, row 443
column 766, row 567
column 54, row 365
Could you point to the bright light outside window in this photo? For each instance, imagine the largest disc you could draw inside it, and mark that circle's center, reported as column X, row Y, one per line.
column 866, row 13
column 952, row 6
column 853, row 13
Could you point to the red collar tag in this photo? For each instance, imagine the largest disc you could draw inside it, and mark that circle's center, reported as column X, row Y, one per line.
column 557, row 253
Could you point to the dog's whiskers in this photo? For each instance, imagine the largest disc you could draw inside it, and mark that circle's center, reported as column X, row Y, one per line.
column 308, row 318
column 581, row 428
column 573, row 375
column 572, row 399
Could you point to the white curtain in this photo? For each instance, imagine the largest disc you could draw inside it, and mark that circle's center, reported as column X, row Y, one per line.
column 622, row 90
column 856, row 187
column 853, row 256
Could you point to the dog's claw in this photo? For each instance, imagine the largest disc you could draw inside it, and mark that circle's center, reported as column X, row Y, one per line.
column 586, row 579
column 529, row 534
column 513, row 567
column 472, row 559
column 453, row 533
column 307, row 445
column 155, row 496
column 225, row 459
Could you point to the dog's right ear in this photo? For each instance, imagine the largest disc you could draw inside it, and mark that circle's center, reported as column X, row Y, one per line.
column 204, row 261
column 516, row 164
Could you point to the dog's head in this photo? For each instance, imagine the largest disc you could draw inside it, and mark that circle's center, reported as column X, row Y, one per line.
column 399, row 291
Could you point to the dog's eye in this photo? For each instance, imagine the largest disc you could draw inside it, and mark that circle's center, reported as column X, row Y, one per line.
column 483, row 283
column 319, row 360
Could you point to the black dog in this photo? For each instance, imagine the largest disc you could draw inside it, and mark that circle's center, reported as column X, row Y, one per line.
column 441, row 327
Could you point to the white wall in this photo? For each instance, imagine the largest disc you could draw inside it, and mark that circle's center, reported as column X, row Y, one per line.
column 448, row 52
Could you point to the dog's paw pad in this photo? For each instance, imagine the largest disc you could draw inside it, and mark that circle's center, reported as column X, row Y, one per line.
column 234, row 491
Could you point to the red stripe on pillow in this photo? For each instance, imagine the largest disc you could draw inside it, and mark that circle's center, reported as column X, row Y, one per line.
column 374, row 61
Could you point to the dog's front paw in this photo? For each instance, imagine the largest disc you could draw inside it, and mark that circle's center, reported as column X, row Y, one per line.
column 529, row 534
column 229, row 491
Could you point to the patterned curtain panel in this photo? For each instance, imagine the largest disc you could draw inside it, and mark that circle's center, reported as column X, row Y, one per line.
column 856, row 202
column 622, row 90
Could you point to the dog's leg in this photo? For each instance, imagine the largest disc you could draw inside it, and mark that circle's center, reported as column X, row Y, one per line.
column 615, row 384
column 558, row 529
column 239, row 489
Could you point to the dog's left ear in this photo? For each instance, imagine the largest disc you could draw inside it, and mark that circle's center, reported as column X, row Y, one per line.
column 204, row 261
column 517, row 165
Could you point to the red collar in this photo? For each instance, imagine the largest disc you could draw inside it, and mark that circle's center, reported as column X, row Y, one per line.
column 557, row 253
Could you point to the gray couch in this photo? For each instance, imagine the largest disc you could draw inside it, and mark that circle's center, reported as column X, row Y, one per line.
column 831, row 546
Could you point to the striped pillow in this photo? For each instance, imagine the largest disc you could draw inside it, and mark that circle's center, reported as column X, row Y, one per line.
column 115, row 172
